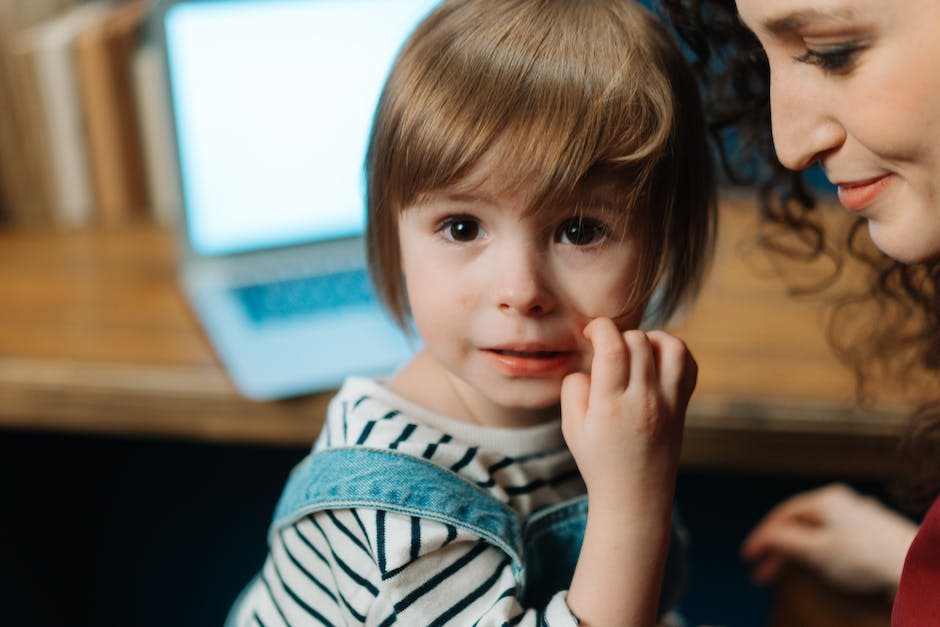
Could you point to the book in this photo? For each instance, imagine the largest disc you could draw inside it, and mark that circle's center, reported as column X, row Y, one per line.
column 24, row 186
column 20, row 14
column 156, row 130
column 104, row 53
column 24, row 175
column 44, row 52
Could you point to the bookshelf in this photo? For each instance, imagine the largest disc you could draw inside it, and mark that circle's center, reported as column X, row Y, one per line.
column 85, row 138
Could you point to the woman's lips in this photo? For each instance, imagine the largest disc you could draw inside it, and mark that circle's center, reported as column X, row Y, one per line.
column 517, row 363
column 857, row 195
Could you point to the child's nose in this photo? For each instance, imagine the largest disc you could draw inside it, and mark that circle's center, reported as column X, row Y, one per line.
column 521, row 286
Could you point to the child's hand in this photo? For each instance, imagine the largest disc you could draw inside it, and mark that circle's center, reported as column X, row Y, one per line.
column 624, row 422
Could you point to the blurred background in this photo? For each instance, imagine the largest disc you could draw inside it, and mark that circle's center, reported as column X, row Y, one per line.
column 136, row 480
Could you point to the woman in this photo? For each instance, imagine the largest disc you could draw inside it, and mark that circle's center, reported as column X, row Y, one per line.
column 853, row 86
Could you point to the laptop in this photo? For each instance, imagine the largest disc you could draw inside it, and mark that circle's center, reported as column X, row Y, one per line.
column 272, row 102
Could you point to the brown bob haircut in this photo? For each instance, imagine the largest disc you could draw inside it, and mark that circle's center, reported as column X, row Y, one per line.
column 563, row 92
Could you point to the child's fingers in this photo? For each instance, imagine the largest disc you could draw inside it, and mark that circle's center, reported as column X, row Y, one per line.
column 675, row 365
column 575, row 390
column 610, row 365
column 642, row 364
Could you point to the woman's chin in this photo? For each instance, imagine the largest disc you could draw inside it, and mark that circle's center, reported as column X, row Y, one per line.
column 908, row 248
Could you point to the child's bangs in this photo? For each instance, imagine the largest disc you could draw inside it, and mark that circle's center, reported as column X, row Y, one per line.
column 549, row 122
column 601, row 159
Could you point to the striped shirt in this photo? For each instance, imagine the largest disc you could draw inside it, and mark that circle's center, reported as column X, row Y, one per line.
column 368, row 567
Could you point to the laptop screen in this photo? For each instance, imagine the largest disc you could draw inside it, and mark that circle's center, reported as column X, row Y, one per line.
column 273, row 101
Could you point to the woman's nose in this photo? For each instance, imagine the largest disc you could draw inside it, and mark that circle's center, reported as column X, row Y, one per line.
column 805, row 125
column 521, row 285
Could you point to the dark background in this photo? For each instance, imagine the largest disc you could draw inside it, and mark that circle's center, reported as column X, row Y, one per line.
column 103, row 531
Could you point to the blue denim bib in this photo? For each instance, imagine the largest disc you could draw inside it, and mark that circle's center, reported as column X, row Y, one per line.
column 543, row 548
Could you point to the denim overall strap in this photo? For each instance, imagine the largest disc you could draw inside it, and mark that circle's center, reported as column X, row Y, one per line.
column 553, row 538
column 543, row 550
column 381, row 479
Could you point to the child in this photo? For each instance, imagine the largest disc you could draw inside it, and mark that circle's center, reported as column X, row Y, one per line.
column 537, row 171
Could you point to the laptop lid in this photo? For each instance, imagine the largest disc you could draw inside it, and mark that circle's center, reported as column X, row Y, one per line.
column 272, row 102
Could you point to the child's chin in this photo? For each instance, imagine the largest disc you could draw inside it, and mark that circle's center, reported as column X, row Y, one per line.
column 532, row 400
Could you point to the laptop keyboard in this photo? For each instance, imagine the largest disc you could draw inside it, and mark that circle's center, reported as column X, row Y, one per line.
column 306, row 295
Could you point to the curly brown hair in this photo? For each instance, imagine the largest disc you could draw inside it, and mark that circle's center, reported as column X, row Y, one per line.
column 901, row 334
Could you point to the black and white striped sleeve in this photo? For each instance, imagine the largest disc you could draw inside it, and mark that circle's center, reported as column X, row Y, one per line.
column 366, row 567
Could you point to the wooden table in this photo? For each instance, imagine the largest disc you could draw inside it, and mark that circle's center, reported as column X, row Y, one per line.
column 96, row 337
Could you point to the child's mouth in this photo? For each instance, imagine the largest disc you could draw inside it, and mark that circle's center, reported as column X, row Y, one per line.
column 528, row 354
column 530, row 363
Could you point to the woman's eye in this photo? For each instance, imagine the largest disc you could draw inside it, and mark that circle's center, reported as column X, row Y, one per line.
column 834, row 59
column 461, row 229
column 581, row 232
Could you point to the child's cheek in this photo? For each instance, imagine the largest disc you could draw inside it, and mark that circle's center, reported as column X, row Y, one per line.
column 623, row 315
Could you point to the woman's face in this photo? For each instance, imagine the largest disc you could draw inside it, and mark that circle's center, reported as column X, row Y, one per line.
column 855, row 85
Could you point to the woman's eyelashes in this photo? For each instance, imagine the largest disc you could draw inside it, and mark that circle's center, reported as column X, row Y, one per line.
column 837, row 59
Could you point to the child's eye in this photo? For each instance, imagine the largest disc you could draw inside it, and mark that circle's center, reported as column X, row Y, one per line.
column 581, row 232
column 836, row 59
column 461, row 229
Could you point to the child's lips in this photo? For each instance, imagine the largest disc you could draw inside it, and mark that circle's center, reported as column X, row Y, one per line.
column 521, row 353
column 522, row 362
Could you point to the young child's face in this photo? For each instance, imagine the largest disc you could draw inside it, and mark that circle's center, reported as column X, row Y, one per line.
column 501, row 298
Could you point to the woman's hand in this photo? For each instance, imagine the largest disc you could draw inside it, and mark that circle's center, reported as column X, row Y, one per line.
column 854, row 542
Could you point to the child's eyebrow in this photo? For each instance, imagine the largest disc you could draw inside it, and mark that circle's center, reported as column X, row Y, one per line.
column 458, row 196
column 601, row 196
column 466, row 196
